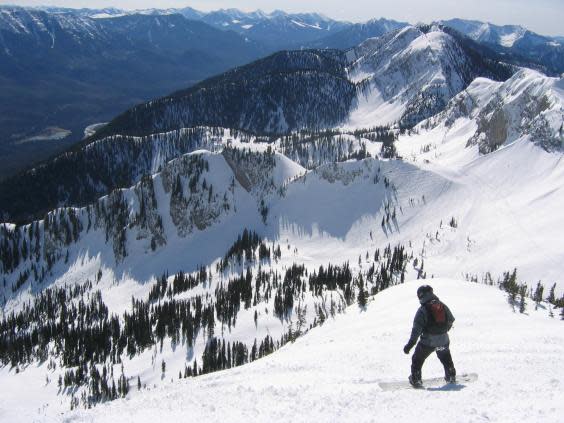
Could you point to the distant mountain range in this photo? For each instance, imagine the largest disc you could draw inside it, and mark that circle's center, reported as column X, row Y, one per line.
column 62, row 70
column 69, row 71
column 277, row 30
column 522, row 45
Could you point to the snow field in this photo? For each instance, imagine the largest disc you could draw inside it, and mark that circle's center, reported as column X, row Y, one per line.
column 331, row 373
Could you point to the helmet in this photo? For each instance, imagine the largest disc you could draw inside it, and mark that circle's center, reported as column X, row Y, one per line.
column 424, row 290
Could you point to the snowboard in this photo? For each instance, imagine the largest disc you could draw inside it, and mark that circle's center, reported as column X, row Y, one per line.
column 432, row 383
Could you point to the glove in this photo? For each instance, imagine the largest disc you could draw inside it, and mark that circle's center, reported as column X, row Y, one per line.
column 407, row 348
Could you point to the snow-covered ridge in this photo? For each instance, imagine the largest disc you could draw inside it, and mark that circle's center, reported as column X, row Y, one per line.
column 203, row 193
column 528, row 104
column 189, row 194
column 504, row 35
column 37, row 24
column 409, row 74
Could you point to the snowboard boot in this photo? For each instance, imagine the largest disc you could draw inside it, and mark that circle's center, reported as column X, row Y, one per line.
column 415, row 380
column 450, row 375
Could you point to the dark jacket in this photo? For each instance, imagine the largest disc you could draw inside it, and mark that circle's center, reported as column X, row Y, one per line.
column 422, row 325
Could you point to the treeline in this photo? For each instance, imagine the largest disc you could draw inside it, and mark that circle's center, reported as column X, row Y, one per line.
column 79, row 177
column 74, row 326
column 315, row 149
column 33, row 249
column 246, row 249
column 519, row 292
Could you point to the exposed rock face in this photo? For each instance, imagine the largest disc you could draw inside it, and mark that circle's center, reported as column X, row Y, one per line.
column 148, row 218
column 528, row 104
column 492, row 131
column 194, row 202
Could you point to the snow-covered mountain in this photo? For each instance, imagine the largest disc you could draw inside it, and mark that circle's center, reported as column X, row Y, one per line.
column 237, row 223
column 355, row 34
column 400, row 78
column 525, row 46
column 529, row 104
column 506, row 35
column 68, row 71
column 411, row 74
column 278, row 29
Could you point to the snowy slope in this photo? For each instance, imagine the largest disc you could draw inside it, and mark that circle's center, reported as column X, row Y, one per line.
column 408, row 75
column 333, row 208
column 331, row 374
column 505, row 215
column 501, row 143
column 518, row 44
column 505, row 35
column 529, row 103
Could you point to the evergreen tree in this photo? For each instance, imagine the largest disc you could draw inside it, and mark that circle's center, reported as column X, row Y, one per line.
column 362, row 297
column 551, row 295
column 522, row 302
column 537, row 296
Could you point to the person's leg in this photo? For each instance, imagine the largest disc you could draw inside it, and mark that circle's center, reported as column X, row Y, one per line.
column 419, row 356
column 446, row 359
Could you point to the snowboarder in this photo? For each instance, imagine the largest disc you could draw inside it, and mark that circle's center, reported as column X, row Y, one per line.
column 432, row 322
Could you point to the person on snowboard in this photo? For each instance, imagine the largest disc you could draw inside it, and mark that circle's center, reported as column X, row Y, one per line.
column 432, row 322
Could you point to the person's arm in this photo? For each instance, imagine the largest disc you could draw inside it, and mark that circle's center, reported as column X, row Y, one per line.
column 419, row 323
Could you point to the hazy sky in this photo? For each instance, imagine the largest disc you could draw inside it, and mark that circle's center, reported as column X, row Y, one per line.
column 542, row 16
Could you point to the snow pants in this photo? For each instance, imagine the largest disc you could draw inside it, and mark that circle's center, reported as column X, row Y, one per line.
column 423, row 351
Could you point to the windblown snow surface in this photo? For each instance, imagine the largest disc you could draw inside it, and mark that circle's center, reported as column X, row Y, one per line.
column 332, row 374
